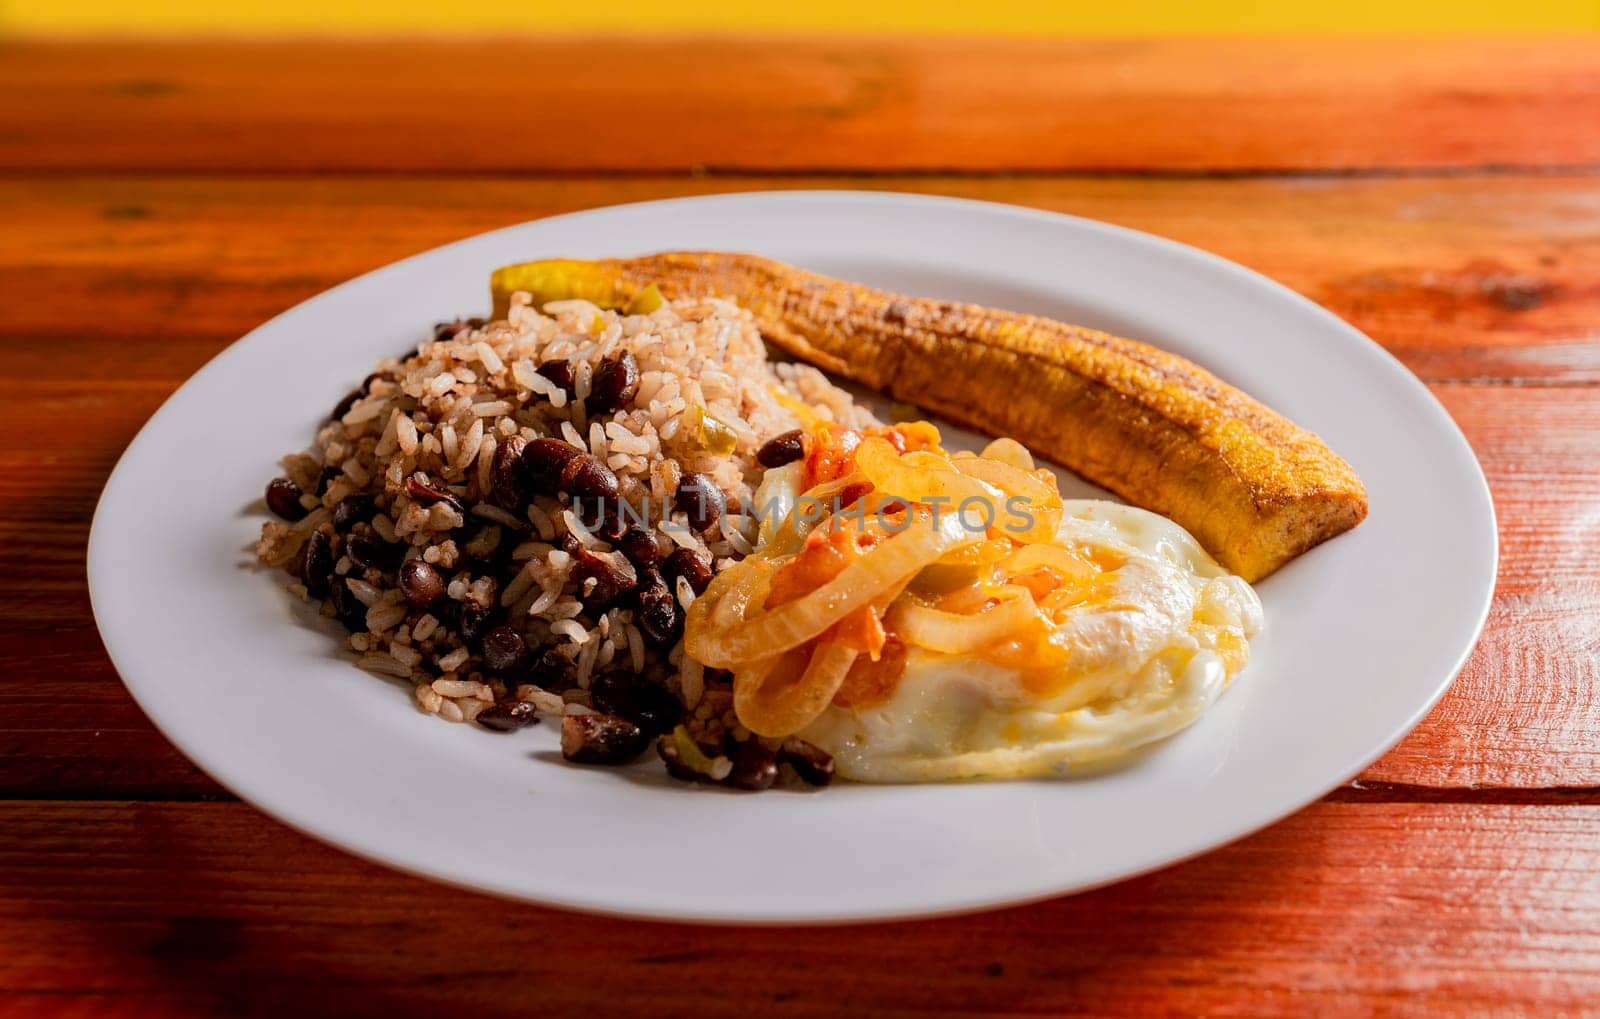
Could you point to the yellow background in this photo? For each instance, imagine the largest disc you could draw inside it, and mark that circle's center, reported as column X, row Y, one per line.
column 170, row 17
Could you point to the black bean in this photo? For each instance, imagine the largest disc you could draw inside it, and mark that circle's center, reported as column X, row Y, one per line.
column 370, row 553
column 585, row 477
column 605, row 517
column 501, row 563
column 782, row 449
column 472, row 619
column 660, row 616
column 486, row 546
column 552, row 670
column 611, row 522
column 813, row 764
column 701, row 499
column 450, row 330
column 544, row 460
column 690, row 563
column 318, row 565
column 326, row 477
column 616, row 383
column 601, row 739
column 512, row 486
column 420, row 583
column 353, row 509
column 426, row 494
column 559, row 372
column 347, row 608
column 645, row 704
column 345, row 403
column 754, row 767
column 283, row 498
column 600, row 582
column 505, row 650
column 448, row 613
column 508, row 716
column 640, row 546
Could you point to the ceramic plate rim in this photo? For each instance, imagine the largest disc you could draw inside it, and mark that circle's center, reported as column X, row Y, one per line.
column 142, row 676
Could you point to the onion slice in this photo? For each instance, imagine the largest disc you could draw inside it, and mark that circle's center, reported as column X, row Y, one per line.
column 1040, row 500
column 954, row 633
column 881, row 572
column 790, row 534
column 1067, row 565
column 922, row 477
column 1009, row 451
column 747, row 589
column 783, row 694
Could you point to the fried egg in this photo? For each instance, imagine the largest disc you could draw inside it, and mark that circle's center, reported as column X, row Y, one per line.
column 1154, row 641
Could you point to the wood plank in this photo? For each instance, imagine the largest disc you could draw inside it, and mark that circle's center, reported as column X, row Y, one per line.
column 731, row 103
column 147, row 278
column 1525, row 710
column 1351, row 909
column 1523, row 714
column 1462, row 278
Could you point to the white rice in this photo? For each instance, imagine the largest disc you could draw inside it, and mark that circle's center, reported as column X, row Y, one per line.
column 438, row 417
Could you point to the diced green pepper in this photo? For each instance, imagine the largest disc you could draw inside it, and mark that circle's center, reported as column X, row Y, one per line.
column 717, row 436
column 690, row 753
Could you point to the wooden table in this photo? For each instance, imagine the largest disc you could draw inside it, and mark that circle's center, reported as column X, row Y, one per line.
column 162, row 199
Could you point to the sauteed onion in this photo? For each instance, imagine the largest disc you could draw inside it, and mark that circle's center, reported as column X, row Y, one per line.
column 851, row 545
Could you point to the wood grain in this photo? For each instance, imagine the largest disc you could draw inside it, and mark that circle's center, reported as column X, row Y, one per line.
column 1526, row 709
column 1522, row 715
column 538, row 105
column 1490, row 279
column 1394, row 909
column 163, row 198
column 147, row 278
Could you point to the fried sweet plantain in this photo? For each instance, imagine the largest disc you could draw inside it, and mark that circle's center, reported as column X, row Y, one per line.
column 1157, row 430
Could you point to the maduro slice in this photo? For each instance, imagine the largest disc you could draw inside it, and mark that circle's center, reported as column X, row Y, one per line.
column 1157, row 430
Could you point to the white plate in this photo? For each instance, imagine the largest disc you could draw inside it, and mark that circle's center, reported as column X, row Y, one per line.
column 1363, row 634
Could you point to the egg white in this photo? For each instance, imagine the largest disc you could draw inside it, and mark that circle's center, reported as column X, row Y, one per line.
column 1146, row 661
